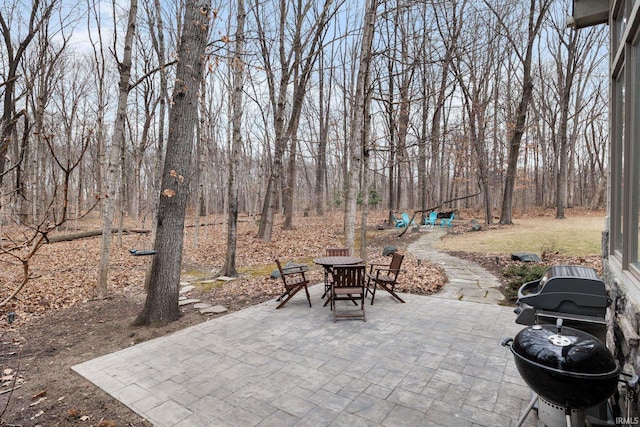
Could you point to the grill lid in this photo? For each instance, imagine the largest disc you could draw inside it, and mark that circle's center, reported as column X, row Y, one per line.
column 570, row 350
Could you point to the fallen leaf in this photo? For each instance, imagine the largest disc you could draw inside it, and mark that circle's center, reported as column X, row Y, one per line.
column 169, row 192
column 37, row 415
column 39, row 401
column 39, row 394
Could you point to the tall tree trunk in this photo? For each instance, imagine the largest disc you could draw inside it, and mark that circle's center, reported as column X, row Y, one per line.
column 161, row 304
column 289, row 193
column 157, row 40
column 515, row 139
column 357, row 137
column 108, row 203
column 365, row 181
column 324, row 115
column 565, row 98
column 229, row 268
column 286, row 130
column 422, row 149
column 39, row 17
column 278, row 97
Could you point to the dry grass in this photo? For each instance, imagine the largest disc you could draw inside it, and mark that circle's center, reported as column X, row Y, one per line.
column 574, row 236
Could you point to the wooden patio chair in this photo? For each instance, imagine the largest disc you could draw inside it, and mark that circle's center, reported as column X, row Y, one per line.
column 338, row 252
column 348, row 284
column 385, row 276
column 294, row 281
column 327, row 271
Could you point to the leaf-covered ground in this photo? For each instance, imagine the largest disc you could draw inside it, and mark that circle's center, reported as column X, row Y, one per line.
column 59, row 323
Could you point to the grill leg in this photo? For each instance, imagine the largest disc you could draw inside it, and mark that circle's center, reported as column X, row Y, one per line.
column 526, row 411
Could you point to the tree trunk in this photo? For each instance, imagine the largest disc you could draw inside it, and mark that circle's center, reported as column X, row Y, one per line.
column 229, row 268
column 565, row 98
column 521, row 113
column 161, row 304
column 108, row 203
column 324, row 115
column 422, row 150
column 357, row 137
column 40, row 14
column 158, row 45
column 289, row 193
column 365, row 173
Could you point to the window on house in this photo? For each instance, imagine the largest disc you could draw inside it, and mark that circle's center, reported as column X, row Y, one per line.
column 617, row 163
column 634, row 160
column 625, row 125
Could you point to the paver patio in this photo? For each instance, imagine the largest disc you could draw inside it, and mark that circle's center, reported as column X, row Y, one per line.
column 429, row 362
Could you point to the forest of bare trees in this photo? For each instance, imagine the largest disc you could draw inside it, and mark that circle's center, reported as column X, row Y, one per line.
column 452, row 98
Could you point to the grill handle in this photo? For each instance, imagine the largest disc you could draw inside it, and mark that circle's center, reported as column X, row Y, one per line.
column 529, row 288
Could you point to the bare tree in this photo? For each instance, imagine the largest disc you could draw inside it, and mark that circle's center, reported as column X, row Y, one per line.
column 39, row 15
column 295, row 65
column 574, row 64
column 161, row 304
column 359, row 113
column 325, row 89
column 447, row 20
column 535, row 18
column 23, row 249
column 117, row 141
column 476, row 56
column 238, row 66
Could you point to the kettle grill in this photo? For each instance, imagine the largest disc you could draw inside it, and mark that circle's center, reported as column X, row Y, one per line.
column 562, row 355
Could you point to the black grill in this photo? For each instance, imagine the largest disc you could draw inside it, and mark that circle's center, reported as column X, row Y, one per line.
column 575, row 299
column 572, row 293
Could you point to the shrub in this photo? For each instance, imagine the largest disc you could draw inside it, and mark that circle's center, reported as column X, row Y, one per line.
column 519, row 274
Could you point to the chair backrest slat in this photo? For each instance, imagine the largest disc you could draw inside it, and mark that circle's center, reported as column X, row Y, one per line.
column 338, row 252
column 396, row 263
column 348, row 275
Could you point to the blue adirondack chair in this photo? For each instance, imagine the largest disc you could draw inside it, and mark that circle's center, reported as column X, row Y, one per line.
column 407, row 220
column 399, row 222
column 446, row 222
column 431, row 220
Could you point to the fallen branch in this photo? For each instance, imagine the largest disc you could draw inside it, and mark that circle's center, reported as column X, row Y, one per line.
column 92, row 233
column 72, row 236
column 406, row 227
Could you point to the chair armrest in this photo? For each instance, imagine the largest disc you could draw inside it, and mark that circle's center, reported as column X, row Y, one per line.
column 390, row 270
column 292, row 271
column 373, row 264
column 378, row 270
column 295, row 269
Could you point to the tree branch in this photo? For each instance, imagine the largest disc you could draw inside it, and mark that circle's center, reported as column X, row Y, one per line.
column 406, row 227
column 149, row 73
